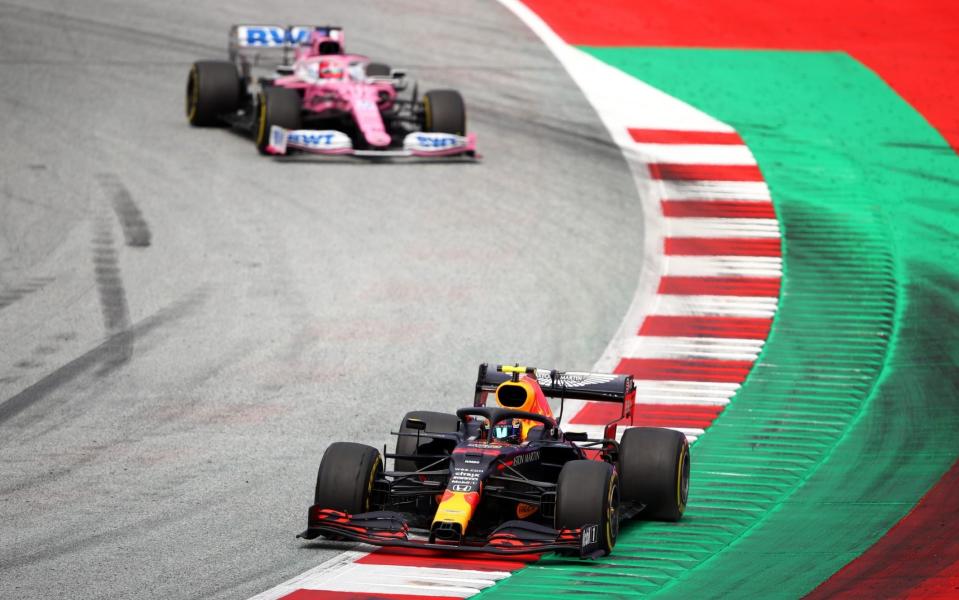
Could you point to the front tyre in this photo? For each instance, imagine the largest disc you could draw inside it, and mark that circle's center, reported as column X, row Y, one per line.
column 588, row 494
column 346, row 476
column 654, row 466
column 277, row 106
column 444, row 112
column 213, row 88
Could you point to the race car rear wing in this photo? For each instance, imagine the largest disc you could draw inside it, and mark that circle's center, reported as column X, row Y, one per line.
column 271, row 45
column 568, row 385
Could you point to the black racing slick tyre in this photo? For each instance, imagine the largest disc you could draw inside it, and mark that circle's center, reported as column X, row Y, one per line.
column 444, row 112
column 588, row 494
column 345, row 479
column 654, row 470
column 213, row 88
column 378, row 70
column 436, row 422
column 277, row 106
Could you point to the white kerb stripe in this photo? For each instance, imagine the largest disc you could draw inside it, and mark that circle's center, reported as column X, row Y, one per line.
column 724, row 266
column 726, row 306
column 323, row 570
column 395, row 579
column 706, row 393
column 722, row 228
column 714, row 190
column 649, row 346
column 696, row 154
column 596, row 431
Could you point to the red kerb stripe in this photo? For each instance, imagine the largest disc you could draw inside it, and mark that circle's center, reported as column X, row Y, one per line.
column 714, row 327
column 722, row 247
column 720, row 286
column 730, row 209
column 676, row 136
column 428, row 558
column 649, row 415
column 705, row 172
column 660, row 369
column 328, row 595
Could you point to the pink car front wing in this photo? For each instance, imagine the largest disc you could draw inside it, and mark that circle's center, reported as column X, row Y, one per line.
column 332, row 142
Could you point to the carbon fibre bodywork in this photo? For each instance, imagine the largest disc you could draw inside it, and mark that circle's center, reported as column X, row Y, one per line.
column 473, row 492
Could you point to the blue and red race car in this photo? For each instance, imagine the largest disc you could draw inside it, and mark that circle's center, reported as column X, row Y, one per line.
column 504, row 478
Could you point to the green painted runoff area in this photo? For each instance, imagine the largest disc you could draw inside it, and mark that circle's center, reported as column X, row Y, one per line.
column 852, row 411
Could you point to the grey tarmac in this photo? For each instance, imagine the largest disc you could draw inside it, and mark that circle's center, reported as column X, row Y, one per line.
column 186, row 325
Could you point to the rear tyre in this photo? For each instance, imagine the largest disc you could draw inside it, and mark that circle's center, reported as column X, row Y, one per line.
column 444, row 112
column 345, row 479
column 436, row 422
column 654, row 470
column 277, row 106
column 213, row 88
column 588, row 494
column 377, row 70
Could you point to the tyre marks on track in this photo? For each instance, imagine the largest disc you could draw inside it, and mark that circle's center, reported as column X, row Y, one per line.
column 9, row 295
column 98, row 356
column 136, row 232
column 106, row 266
column 113, row 298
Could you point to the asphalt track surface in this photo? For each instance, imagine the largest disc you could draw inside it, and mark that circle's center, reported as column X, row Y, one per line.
column 185, row 325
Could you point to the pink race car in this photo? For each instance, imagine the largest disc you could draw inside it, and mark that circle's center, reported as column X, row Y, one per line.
column 311, row 96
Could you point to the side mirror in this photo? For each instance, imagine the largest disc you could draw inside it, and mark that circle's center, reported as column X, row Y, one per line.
column 576, row 436
column 416, row 424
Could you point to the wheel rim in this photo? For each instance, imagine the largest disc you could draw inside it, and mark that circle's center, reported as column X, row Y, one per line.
column 427, row 114
column 612, row 512
column 261, row 126
column 682, row 486
column 192, row 95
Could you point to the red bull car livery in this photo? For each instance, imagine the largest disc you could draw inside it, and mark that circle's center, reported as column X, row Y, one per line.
column 502, row 477
column 295, row 89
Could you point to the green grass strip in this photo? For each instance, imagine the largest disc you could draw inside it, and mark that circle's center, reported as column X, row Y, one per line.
column 851, row 412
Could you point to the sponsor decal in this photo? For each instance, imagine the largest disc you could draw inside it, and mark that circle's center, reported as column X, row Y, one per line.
column 522, row 459
column 308, row 139
column 427, row 142
column 465, row 479
column 573, row 380
column 590, row 535
column 524, row 511
column 270, row 36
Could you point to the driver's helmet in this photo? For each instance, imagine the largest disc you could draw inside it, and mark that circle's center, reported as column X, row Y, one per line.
column 510, row 432
column 331, row 69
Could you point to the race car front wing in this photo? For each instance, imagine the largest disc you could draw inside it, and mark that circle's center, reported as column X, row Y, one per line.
column 332, row 142
column 387, row 528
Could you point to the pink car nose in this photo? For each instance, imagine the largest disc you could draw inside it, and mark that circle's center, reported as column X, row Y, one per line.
column 378, row 138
